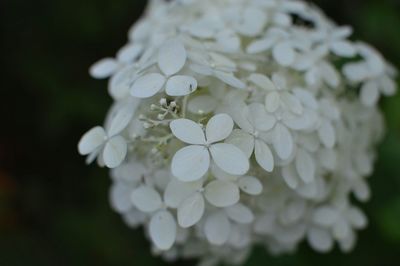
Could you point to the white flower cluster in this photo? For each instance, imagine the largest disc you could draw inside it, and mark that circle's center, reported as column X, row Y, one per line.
column 240, row 122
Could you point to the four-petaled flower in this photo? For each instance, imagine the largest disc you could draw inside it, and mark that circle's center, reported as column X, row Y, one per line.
column 192, row 162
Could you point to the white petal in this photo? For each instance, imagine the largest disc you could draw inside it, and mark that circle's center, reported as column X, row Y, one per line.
column 325, row 216
column 172, row 57
column 162, row 229
column 320, row 240
column 329, row 74
column 121, row 120
column 202, row 104
column 222, row 193
column 115, row 151
column 282, row 141
column 230, row 158
column 104, row 68
column 290, row 176
column 219, row 128
column 188, row 131
column 306, row 97
column 240, row 214
column 191, row 210
column 254, row 21
column 146, row 199
column 343, row 48
column 261, row 120
column 190, row 163
column 120, row 197
column 180, row 85
column 272, row 101
column 292, row 103
column 92, row 140
column 242, row 140
column 262, row 81
column 228, row 41
column 326, row 134
column 388, row 86
column 177, row 191
column 129, row 53
column 305, row 166
column 259, row 46
column 341, row 229
column 241, row 116
column 120, row 83
column 264, row 156
column 356, row 218
column 369, row 93
column 217, row 229
column 250, row 185
column 284, row 54
column 148, row 85
column 230, row 79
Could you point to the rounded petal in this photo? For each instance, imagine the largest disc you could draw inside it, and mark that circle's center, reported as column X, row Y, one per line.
column 180, row 85
column 284, row 54
column 327, row 134
column 370, row 93
column 290, row 177
column 190, row 163
column 202, row 104
column 264, row 156
column 240, row 214
column 261, row 119
column 188, row 131
column 191, row 210
column 305, row 166
column 162, row 229
column 146, row 199
column 121, row 120
column 148, row 85
column 242, row 140
column 320, row 240
column 92, row 140
column 222, row 193
column 262, row 81
column 172, row 57
column 292, row 103
column 343, row 48
column 217, row 229
column 219, row 128
column 115, row 152
column 120, row 197
column 177, row 191
column 230, row 79
column 103, row 68
column 250, row 185
column 272, row 101
column 230, row 158
column 130, row 52
column 325, row 216
column 282, row 141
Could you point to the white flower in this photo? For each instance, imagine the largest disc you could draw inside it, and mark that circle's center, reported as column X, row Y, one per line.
column 373, row 72
column 193, row 161
column 171, row 59
column 273, row 78
column 253, row 121
column 189, row 198
column 110, row 145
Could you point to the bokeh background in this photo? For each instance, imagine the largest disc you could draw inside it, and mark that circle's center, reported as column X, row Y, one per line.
column 54, row 209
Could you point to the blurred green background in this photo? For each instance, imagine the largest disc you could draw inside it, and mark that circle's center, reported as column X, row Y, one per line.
column 54, row 209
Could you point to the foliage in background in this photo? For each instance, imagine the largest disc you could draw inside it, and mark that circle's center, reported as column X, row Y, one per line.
column 54, row 209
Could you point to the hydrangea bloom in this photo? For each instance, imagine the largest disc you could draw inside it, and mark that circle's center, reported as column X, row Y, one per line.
column 238, row 123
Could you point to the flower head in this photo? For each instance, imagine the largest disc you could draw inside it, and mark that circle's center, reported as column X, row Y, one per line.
column 239, row 123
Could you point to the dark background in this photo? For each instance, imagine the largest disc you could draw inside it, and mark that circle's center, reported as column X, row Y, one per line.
column 54, row 209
